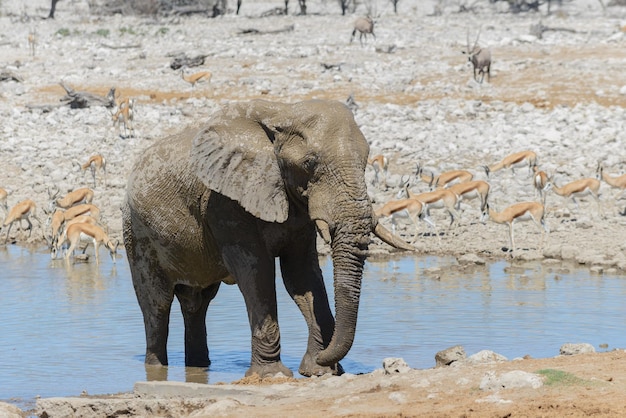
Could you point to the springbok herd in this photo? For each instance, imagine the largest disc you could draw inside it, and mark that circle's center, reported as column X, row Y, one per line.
column 448, row 189
column 73, row 220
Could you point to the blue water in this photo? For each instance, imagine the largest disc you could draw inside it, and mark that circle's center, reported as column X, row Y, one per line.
column 65, row 330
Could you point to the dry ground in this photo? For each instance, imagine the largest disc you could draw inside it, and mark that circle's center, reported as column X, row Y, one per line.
column 593, row 386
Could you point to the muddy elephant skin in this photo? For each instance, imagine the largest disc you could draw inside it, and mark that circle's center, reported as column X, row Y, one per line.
column 218, row 203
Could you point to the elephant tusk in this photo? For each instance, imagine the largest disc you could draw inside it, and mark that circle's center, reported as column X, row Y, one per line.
column 389, row 238
column 323, row 229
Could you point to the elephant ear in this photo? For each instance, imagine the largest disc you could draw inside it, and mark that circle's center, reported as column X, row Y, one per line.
column 236, row 158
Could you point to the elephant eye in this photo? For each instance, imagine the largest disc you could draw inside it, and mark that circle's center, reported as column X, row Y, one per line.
column 309, row 163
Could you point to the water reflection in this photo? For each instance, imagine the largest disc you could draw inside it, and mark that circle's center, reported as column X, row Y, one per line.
column 68, row 329
column 192, row 374
column 84, row 278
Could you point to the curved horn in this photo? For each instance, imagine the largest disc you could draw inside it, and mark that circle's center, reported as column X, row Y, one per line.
column 477, row 37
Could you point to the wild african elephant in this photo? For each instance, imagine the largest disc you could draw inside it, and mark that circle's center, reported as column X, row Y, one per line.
column 218, row 203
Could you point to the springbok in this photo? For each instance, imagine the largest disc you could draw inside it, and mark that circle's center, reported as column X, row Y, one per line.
column 540, row 183
column 514, row 161
column 61, row 218
column 55, row 248
column 78, row 232
column 196, row 78
column 3, row 200
column 95, row 163
column 32, row 42
column 447, row 178
column 81, row 195
column 125, row 111
column 22, row 211
column 380, row 164
column 618, row 182
column 437, row 199
column 518, row 212
column 471, row 190
column 578, row 188
column 411, row 209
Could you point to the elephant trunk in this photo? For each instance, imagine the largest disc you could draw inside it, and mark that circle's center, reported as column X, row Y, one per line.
column 348, row 259
column 346, row 225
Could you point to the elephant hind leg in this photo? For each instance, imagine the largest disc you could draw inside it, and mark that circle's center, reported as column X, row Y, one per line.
column 194, row 303
column 156, row 317
column 157, row 329
column 155, row 297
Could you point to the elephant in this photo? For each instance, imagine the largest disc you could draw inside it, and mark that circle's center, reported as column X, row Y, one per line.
column 219, row 202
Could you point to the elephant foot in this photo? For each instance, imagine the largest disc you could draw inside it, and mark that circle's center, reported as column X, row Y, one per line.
column 309, row 367
column 154, row 359
column 269, row 370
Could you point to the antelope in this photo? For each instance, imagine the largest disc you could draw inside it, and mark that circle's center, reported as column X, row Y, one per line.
column 61, row 218
column 419, row 174
column 3, row 199
column 379, row 163
column 618, row 182
column 513, row 161
column 404, row 208
column 365, row 26
column 95, row 163
column 578, row 188
column 23, row 210
column 519, row 212
column 93, row 233
column 480, row 59
column 540, row 183
column 32, row 42
column 195, row 78
column 125, row 112
column 56, row 244
column 437, row 199
column 471, row 190
column 444, row 179
column 82, row 195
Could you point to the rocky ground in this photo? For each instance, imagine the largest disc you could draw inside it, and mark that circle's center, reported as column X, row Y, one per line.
column 559, row 91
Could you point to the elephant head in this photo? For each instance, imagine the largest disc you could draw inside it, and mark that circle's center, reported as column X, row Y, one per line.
column 305, row 160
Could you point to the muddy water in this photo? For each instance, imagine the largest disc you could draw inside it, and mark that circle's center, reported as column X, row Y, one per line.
column 66, row 330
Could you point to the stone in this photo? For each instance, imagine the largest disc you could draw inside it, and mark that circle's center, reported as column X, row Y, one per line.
column 511, row 380
column 395, row 366
column 571, row 349
column 449, row 356
column 486, row 356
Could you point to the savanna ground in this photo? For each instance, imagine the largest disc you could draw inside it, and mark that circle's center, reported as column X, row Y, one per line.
column 585, row 65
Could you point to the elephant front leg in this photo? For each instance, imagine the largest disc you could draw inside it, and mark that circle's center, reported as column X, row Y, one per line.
column 257, row 283
column 265, row 360
column 305, row 284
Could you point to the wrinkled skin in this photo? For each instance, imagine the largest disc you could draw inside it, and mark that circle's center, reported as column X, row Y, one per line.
column 219, row 203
